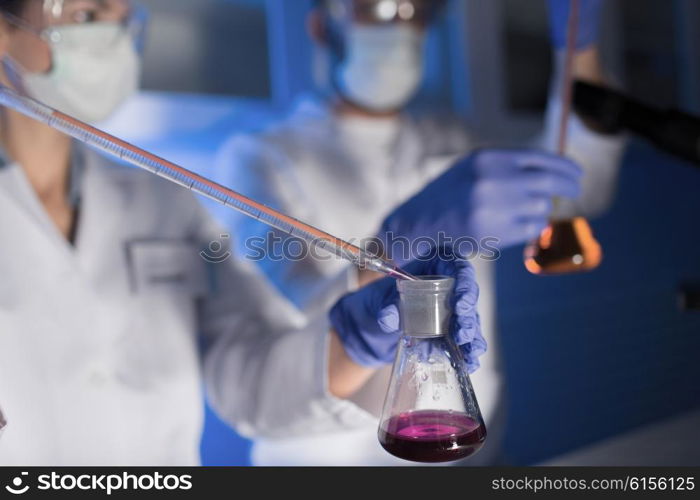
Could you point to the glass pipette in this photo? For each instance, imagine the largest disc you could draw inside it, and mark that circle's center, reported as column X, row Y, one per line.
column 201, row 185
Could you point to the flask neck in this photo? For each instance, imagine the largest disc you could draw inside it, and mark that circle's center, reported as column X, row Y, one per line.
column 426, row 306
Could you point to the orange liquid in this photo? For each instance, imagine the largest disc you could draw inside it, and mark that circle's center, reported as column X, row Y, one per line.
column 565, row 246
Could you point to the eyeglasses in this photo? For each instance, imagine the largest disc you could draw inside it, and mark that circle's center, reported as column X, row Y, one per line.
column 421, row 12
column 62, row 12
column 56, row 14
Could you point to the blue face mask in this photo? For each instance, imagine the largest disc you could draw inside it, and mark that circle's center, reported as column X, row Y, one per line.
column 383, row 66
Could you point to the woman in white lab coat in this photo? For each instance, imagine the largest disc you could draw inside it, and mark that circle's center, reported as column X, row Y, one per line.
column 104, row 289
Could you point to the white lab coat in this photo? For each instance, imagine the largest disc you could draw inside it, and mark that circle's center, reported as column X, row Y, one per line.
column 345, row 175
column 98, row 342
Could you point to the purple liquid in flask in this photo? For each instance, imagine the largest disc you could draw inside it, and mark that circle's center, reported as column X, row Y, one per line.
column 432, row 435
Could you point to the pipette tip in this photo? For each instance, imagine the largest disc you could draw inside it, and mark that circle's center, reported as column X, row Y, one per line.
column 395, row 272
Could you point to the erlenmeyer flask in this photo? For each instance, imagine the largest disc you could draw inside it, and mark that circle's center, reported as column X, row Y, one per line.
column 430, row 412
column 565, row 246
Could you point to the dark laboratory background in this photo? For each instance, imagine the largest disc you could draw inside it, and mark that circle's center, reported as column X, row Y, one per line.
column 614, row 354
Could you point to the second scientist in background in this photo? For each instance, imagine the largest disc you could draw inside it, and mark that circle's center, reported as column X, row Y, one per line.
column 346, row 157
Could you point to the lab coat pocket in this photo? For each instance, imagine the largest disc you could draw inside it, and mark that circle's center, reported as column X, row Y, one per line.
column 162, row 266
column 157, row 351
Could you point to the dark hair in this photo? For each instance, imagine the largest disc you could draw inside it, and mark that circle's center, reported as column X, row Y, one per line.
column 14, row 7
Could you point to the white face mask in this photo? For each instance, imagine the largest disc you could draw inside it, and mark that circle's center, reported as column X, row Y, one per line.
column 89, row 77
column 383, row 68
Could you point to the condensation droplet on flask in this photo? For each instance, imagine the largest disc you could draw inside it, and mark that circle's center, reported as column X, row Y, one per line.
column 431, row 360
column 436, row 396
column 424, row 377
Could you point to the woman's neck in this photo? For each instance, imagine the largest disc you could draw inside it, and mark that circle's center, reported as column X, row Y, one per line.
column 343, row 107
column 43, row 153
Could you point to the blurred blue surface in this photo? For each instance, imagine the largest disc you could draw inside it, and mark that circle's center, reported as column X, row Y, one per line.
column 221, row 446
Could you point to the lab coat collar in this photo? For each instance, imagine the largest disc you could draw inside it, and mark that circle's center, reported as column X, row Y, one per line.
column 310, row 109
column 103, row 203
column 77, row 170
column 91, row 187
column 318, row 106
column 15, row 186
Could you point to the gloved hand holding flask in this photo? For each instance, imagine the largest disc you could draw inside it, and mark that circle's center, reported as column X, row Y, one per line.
column 367, row 321
column 426, row 326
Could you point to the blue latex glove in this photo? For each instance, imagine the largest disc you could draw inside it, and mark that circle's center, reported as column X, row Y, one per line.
column 367, row 321
column 588, row 26
column 502, row 194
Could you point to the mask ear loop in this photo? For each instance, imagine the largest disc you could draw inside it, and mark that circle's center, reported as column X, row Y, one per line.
column 13, row 71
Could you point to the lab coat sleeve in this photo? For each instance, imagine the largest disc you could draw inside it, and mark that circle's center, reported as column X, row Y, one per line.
column 263, row 168
column 599, row 155
column 264, row 363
